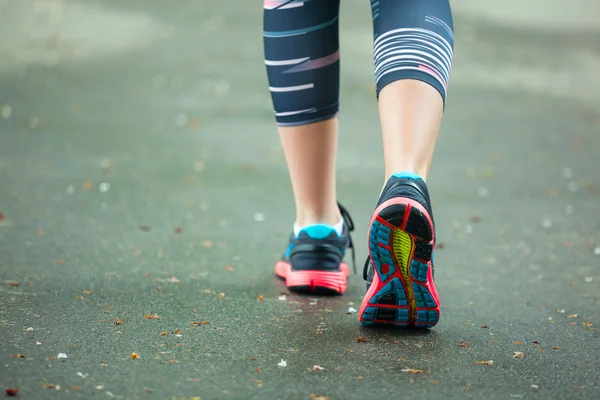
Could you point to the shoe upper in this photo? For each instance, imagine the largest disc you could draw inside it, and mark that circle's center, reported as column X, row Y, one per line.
column 320, row 247
column 409, row 186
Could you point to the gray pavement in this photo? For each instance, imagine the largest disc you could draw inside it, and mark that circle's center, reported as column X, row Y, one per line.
column 141, row 175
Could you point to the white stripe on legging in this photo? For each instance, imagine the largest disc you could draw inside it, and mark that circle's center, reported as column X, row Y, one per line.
column 291, row 88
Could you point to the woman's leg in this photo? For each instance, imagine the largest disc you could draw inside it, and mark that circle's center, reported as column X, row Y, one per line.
column 412, row 49
column 302, row 58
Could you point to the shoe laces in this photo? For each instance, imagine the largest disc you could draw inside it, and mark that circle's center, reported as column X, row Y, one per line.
column 366, row 269
column 350, row 224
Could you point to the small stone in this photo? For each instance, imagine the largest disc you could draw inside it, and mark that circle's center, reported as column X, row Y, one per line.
column 546, row 223
column 282, row 297
column 104, row 187
column 6, row 111
column 483, row 192
column 34, row 122
column 597, row 251
column 567, row 172
column 468, row 229
column 222, row 88
column 589, row 279
column 259, row 217
column 181, row 120
column 198, row 166
column 61, row 355
column 70, row 189
column 282, row 363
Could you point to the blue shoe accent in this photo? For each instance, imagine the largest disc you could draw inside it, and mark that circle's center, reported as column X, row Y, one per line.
column 422, row 296
column 318, row 231
column 381, row 234
column 409, row 175
column 427, row 318
column 395, row 288
column 418, row 270
column 289, row 249
column 369, row 314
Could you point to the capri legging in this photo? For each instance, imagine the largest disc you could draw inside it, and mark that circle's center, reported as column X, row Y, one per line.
column 413, row 39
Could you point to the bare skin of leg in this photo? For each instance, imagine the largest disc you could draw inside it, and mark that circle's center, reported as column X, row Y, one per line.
column 311, row 152
column 411, row 113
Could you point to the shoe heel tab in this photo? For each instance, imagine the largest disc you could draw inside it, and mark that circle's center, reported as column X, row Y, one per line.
column 318, row 231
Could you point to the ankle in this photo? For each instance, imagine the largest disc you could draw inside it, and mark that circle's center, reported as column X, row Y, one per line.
column 310, row 217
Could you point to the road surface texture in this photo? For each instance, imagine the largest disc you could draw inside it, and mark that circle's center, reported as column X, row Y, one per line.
column 144, row 200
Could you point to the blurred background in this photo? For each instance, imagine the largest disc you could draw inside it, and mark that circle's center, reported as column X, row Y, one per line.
column 141, row 174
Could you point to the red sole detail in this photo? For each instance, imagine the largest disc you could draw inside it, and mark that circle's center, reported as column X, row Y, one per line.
column 314, row 281
column 377, row 284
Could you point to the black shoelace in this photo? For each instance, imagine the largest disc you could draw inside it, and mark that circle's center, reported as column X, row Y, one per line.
column 350, row 224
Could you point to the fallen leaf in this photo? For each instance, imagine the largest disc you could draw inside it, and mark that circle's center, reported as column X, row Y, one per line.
column 14, row 284
column 412, row 371
column 318, row 368
column 490, row 362
column 61, row 261
column 12, row 391
column 587, row 323
column 463, row 344
column 88, row 292
column 155, row 316
column 361, row 339
column 252, row 358
column 1, row 216
column 440, row 245
column 178, row 230
column 518, row 354
column 315, row 397
column 163, row 333
column 88, row 185
column 258, row 370
column 173, row 279
column 229, row 268
column 19, row 356
column 484, row 327
column 144, row 228
column 518, row 342
column 555, row 347
column 207, row 243
column 221, row 296
column 196, row 323
column 135, row 356
column 176, row 332
column 260, row 298
column 118, row 321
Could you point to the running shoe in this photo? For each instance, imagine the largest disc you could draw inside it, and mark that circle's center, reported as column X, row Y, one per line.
column 399, row 270
column 313, row 261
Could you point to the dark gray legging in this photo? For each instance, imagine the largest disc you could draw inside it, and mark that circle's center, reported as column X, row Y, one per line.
column 413, row 39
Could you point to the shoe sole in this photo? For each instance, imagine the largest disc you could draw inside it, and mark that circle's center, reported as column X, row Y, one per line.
column 314, row 281
column 400, row 247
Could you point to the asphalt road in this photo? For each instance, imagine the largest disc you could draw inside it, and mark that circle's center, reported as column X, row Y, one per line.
column 144, row 200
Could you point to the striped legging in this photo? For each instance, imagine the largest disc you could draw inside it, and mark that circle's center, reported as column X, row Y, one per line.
column 413, row 39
